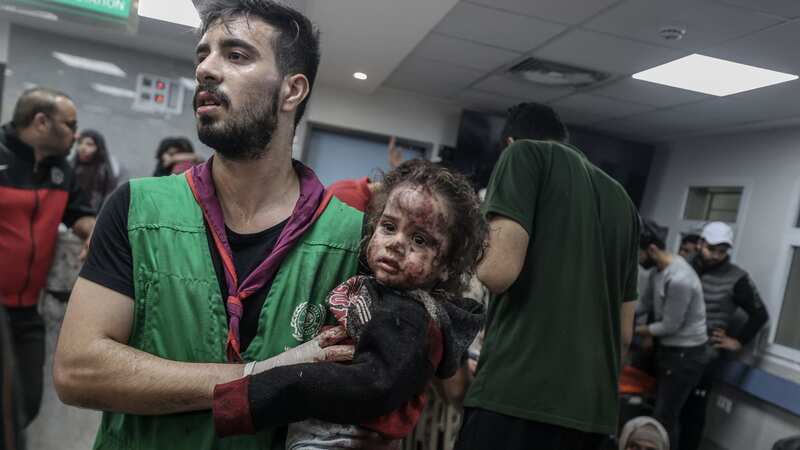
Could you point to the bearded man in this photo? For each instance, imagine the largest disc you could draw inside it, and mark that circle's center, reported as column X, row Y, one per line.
column 189, row 277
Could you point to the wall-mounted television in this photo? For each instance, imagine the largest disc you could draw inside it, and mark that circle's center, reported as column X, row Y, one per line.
column 479, row 145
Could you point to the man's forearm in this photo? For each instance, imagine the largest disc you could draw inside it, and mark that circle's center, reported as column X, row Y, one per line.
column 110, row 376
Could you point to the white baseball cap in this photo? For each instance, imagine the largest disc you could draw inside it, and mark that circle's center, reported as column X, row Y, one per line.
column 716, row 233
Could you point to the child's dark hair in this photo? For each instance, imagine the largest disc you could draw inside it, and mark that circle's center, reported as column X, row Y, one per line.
column 467, row 243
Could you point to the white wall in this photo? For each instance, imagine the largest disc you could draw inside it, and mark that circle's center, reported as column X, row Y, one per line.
column 767, row 164
column 387, row 111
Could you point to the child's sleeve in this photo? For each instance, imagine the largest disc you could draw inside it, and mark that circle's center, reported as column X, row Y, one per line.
column 392, row 364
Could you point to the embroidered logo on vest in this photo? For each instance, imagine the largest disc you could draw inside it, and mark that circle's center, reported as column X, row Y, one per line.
column 307, row 321
column 56, row 176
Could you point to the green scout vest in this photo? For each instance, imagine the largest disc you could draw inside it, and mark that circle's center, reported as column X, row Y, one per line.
column 180, row 314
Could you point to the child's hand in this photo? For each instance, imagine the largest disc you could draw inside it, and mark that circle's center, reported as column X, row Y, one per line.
column 321, row 348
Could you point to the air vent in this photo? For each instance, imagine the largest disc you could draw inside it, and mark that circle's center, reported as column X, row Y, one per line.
column 548, row 73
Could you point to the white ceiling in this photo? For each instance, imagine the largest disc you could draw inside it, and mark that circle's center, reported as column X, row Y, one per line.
column 460, row 50
column 619, row 37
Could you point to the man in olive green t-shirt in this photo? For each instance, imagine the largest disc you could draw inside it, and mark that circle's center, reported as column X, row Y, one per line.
column 562, row 263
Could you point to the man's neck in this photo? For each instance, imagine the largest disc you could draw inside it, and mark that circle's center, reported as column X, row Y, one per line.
column 26, row 137
column 664, row 260
column 256, row 194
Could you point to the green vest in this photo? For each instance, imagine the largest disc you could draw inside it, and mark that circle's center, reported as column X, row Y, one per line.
column 180, row 314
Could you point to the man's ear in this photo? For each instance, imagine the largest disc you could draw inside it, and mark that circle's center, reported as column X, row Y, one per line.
column 40, row 121
column 295, row 89
column 509, row 140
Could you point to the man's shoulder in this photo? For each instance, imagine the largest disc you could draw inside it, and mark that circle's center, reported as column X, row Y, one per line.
column 157, row 183
column 682, row 271
column 529, row 148
column 736, row 271
column 354, row 192
column 726, row 271
column 339, row 225
column 163, row 200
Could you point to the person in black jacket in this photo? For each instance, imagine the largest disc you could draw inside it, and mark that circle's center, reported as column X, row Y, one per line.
column 12, row 415
column 38, row 191
column 726, row 288
column 406, row 319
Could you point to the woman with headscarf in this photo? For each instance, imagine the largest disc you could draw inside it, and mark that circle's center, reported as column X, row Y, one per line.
column 643, row 433
column 175, row 155
column 93, row 168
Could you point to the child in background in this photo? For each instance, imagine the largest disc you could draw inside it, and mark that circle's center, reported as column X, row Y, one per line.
column 409, row 324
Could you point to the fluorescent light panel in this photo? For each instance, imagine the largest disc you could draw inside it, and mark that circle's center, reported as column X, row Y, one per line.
column 181, row 12
column 46, row 15
column 113, row 90
column 712, row 76
column 93, row 65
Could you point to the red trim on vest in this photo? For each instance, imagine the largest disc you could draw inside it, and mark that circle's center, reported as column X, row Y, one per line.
column 231, row 408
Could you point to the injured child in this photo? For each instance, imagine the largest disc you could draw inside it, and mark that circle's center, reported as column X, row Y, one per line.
column 407, row 321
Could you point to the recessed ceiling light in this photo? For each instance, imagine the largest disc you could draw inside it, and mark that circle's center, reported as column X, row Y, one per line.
column 181, row 12
column 712, row 76
column 360, row 76
column 93, row 65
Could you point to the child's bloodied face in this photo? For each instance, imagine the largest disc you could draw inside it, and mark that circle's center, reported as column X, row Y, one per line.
column 408, row 248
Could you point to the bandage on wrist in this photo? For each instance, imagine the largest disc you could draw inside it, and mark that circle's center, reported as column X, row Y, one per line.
column 248, row 368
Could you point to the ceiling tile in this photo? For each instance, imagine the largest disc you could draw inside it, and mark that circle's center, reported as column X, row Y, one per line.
column 770, row 103
column 497, row 28
column 775, row 48
column 760, row 108
column 601, row 107
column 456, row 51
column 432, row 77
column 706, row 23
column 555, row 10
column 519, row 89
column 607, row 53
column 701, row 116
column 486, row 101
column 646, row 93
column 789, row 9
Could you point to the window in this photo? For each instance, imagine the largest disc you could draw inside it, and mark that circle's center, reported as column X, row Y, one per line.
column 713, row 204
column 788, row 333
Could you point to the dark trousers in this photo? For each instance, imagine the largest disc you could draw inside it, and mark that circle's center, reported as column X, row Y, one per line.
column 27, row 333
column 486, row 430
column 678, row 370
column 693, row 415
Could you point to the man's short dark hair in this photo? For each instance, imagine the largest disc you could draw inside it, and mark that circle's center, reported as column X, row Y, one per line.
column 690, row 239
column 652, row 234
column 296, row 46
column 534, row 121
column 34, row 101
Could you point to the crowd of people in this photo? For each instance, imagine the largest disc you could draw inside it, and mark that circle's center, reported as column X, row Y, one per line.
column 241, row 304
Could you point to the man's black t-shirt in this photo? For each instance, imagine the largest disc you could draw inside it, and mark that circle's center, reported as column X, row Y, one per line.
column 110, row 263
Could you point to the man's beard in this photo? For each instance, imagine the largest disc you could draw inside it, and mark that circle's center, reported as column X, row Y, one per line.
column 244, row 135
column 648, row 264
